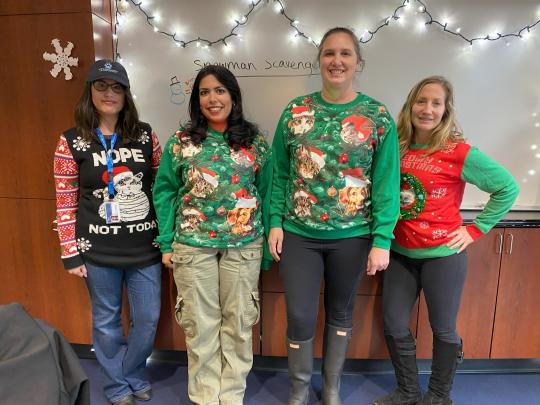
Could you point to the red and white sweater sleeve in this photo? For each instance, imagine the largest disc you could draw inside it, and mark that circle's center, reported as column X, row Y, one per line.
column 66, row 180
column 156, row 153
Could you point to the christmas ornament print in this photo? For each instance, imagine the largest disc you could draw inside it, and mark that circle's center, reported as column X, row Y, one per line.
column 62, row 59
column 323, row 141
column 219, row 202
column 331, row 191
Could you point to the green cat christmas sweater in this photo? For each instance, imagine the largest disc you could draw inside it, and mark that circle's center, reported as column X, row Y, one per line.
column 336, row 170
column 210, row 195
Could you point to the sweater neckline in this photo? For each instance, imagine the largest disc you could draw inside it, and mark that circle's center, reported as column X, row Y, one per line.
column 418, row 146
column 336, row 106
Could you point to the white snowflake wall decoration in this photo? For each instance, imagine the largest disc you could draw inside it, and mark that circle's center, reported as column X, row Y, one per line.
column 62, row 59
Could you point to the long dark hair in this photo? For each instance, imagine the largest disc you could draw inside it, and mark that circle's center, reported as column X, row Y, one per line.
column 87, row 117
column 240, row 132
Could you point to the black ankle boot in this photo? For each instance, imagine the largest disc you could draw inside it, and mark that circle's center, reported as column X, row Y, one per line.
column 446, row 357
column 335, row 345
column 300, row 358
column 403, row 355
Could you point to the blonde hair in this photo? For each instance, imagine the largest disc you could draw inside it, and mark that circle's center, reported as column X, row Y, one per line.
column 448, row 130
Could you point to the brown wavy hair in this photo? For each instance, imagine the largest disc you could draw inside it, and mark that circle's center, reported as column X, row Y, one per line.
column 448, row 130
column 87, row 118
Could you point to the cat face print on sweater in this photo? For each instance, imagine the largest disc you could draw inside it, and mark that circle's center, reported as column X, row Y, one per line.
column 203, row 181
column 310, row 161
column 133, row 202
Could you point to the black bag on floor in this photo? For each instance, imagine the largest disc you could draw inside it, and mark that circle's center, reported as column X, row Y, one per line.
column 37, row 364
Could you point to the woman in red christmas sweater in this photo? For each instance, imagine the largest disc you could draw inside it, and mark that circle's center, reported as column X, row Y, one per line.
column 428, row 252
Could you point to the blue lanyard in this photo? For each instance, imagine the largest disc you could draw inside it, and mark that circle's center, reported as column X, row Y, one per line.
column 110, row 162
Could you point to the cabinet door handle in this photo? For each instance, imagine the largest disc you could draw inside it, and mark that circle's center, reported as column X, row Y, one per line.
column 498, row 247
column 509, row 243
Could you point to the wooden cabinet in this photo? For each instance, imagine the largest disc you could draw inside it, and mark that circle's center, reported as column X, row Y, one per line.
column 475, row 319
column 499, row 315
column 500, row 306
column 367, row 337
column 516, row 330
column 34, row 109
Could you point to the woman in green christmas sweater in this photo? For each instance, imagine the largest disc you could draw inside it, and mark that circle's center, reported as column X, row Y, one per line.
column 209, row 196
column 430, row 241
column 335, row 202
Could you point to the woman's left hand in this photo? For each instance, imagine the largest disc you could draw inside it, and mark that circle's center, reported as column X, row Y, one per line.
column 460, row 239
column 378, row 260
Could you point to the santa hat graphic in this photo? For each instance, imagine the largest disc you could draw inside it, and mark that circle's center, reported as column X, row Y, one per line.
column 354, row 178
column 301, row 110
column 317, row 156
column 210, row 176
column 119, row 172
column 193, row 211
column 244, row 199
column 302, row 193
column 362, row 125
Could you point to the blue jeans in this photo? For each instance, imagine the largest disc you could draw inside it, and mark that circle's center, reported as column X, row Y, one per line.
column 124, row 362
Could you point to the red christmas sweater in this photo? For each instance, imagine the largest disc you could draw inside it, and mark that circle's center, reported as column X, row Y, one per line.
column 431, row 192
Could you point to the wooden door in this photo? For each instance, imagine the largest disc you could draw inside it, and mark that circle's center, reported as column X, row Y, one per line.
column 516, row 332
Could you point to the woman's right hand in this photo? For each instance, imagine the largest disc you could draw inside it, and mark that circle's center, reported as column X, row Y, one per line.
column 275, row 241
column 79, row 271
column 166, row 260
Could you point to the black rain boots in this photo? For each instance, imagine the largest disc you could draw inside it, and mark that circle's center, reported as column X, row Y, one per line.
column 300, row 358
column 335, row 345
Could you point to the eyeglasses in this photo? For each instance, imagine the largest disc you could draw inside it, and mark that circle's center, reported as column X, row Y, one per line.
column 101, row 86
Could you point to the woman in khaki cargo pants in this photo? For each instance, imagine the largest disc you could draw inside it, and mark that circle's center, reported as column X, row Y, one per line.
column 209, row 196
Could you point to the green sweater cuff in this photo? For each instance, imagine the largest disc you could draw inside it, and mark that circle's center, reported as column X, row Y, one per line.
column 381, row 242
column 276, row 221
column 165, row 246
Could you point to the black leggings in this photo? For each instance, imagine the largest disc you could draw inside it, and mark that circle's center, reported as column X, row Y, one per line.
column 304, row 262
column 442, row 280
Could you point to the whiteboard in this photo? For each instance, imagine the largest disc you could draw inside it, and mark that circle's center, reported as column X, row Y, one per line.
column 497, row 83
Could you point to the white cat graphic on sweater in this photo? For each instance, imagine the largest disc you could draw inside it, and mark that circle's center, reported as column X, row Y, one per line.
column 133, row 202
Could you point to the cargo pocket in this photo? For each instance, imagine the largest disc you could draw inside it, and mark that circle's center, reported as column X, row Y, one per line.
column 252, row 309
column 182, row 315
column 178, row 310
column 180, row 258
column 251, row 254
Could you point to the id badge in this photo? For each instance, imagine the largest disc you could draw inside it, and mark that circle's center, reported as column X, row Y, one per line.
column 112, row 212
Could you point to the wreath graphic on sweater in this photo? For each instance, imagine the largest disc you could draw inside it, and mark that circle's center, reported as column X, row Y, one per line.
column 412, row 196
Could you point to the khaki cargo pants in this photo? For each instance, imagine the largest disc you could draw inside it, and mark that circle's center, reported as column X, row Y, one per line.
column 217, row 305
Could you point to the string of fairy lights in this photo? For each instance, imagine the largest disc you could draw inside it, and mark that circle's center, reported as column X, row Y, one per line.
column 418, row 8
column 398, row 16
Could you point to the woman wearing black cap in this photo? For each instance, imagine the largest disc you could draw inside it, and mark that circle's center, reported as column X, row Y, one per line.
column 104, row 169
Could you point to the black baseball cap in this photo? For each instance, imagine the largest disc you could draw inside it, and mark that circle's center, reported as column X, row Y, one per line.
column 108, row 69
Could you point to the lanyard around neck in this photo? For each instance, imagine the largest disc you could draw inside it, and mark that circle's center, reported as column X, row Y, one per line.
column 110, row 163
